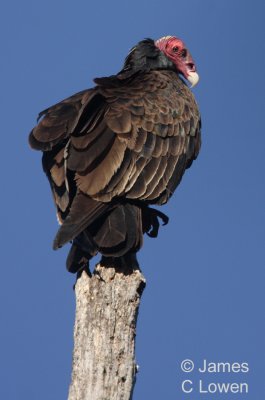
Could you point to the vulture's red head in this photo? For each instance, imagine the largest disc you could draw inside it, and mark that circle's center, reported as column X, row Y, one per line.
column 177, row 52
column 167, row 52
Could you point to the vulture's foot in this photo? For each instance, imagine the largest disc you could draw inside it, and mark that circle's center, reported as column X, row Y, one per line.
column 151, row 221
column 78, row 260
column 125, row 264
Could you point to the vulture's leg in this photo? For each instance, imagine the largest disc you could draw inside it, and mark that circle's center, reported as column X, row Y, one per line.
column 81, row 252
column 78, row 260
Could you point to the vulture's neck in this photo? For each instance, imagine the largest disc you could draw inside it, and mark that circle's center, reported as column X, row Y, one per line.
column 145, row 56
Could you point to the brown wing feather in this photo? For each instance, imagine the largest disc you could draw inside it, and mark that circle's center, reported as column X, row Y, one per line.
column 51, row 135
column 162, row 122
column 57, row 122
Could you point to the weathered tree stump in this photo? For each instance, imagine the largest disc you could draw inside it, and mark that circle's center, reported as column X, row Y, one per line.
column 107, row 305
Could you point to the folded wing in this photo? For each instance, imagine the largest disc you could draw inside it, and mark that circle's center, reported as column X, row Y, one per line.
column 121, row 141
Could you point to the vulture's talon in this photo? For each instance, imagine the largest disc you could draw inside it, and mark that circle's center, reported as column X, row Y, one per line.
column 151, row 221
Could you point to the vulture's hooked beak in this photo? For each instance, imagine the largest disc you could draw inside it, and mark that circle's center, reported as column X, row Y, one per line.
column 193, row 78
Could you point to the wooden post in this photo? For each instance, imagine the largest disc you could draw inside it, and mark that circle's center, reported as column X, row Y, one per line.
column 107, row 305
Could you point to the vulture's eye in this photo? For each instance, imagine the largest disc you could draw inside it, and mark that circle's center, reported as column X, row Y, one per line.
column 175, row 49
column 184, row 53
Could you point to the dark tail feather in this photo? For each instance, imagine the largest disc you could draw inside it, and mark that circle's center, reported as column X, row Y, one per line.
column 84, row 211
column 115, row 232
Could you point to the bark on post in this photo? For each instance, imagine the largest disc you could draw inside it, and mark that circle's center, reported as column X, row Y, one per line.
column 107, row 305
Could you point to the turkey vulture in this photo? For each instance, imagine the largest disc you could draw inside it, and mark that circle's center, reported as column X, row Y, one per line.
column 112, row 151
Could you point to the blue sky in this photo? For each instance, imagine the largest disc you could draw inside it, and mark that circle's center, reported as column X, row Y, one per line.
column 205, row 273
